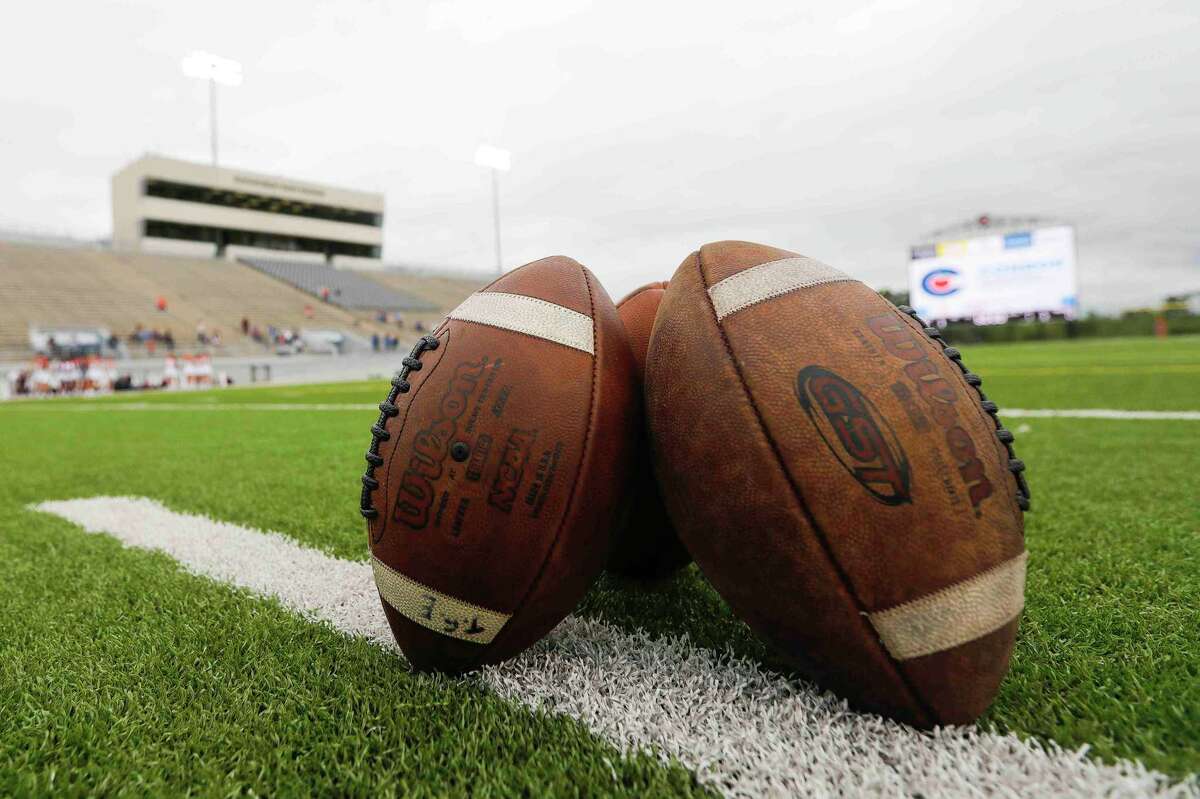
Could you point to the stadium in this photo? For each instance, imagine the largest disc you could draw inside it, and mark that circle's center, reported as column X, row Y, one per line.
column 742, row 432
column 199, row 270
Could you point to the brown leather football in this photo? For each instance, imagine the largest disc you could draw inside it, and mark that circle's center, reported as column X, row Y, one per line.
column 646, row 547
column 499, row 467
column 840, row 479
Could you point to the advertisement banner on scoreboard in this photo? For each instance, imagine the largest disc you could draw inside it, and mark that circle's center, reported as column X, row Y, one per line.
column 991, row 278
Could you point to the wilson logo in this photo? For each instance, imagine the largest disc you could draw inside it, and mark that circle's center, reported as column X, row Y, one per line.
column 431, row 445
column 940, row 396
column 856, row 433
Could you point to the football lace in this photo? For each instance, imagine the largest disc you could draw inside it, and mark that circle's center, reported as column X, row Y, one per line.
column 1015, row 465
column 388, row 410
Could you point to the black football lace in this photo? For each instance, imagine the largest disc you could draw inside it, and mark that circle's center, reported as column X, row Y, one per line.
column 1015, row 464
column 388, row 410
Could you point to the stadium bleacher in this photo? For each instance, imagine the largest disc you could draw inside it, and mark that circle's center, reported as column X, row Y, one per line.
column 345, row 288
column 48, row 287
column 443, row 291
column 45, row 287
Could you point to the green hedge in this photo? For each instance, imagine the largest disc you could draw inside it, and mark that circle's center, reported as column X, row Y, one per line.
column 1134, row 324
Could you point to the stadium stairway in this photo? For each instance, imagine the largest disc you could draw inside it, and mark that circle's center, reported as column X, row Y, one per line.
column 76, row 287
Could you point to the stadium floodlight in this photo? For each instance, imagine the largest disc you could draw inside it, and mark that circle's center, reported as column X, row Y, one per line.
column 207, row 66
column 493, row 158
column 497, row 160
column 214, row 69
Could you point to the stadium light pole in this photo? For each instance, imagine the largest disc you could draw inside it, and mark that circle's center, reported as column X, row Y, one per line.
column 214, row 69
column 497, row 160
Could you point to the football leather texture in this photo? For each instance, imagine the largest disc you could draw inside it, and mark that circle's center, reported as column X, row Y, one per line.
column 840, row 479
column 646, row 547
column 509, row 434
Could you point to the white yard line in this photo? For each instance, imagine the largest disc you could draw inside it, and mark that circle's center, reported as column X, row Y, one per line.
column 743, row 731
column 1100, row 413
column 1035, row 413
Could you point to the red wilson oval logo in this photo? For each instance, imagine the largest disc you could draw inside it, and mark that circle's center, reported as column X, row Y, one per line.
column 856, row 433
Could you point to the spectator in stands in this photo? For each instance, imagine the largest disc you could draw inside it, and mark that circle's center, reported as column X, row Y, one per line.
column 43, row 380
column 309, row 312
column 325, row 293
column 420, row 328
column 245, row 326
column 161, row 303
column 201, row 333
column 70, row 377
column 93, row 375
column 204, row 370
column 375, row 342
column 381, row 317
column 168, row 340
column 399, row 321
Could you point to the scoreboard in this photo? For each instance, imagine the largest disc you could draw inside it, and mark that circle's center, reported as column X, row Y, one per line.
column 989, row 279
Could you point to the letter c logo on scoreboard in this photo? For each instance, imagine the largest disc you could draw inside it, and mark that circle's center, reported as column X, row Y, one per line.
column 941, row 282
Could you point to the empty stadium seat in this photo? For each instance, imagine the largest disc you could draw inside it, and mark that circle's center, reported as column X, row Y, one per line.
column 91, row 287
column 445, row 291
column 346, row 289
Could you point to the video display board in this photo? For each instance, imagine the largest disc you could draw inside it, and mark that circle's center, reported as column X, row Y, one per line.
column 989, row 279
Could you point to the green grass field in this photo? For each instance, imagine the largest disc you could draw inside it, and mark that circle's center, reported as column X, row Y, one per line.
column 119, row 673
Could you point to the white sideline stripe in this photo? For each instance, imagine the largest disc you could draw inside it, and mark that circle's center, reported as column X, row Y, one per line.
column 745, row 732
column 768, row 280
column 528, row 315
column 92, row 407
column 1101, row 413
column 955, row 615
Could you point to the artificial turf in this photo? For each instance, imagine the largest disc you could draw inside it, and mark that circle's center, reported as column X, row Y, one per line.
column 118, row 672
column 1123, row 373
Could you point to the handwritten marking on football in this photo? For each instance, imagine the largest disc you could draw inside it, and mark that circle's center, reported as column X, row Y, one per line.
column 744, row 731
column 439, row 612
column 772, row 279
column 528, row 315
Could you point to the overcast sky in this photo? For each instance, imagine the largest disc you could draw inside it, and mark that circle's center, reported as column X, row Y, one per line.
column 844, row 131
